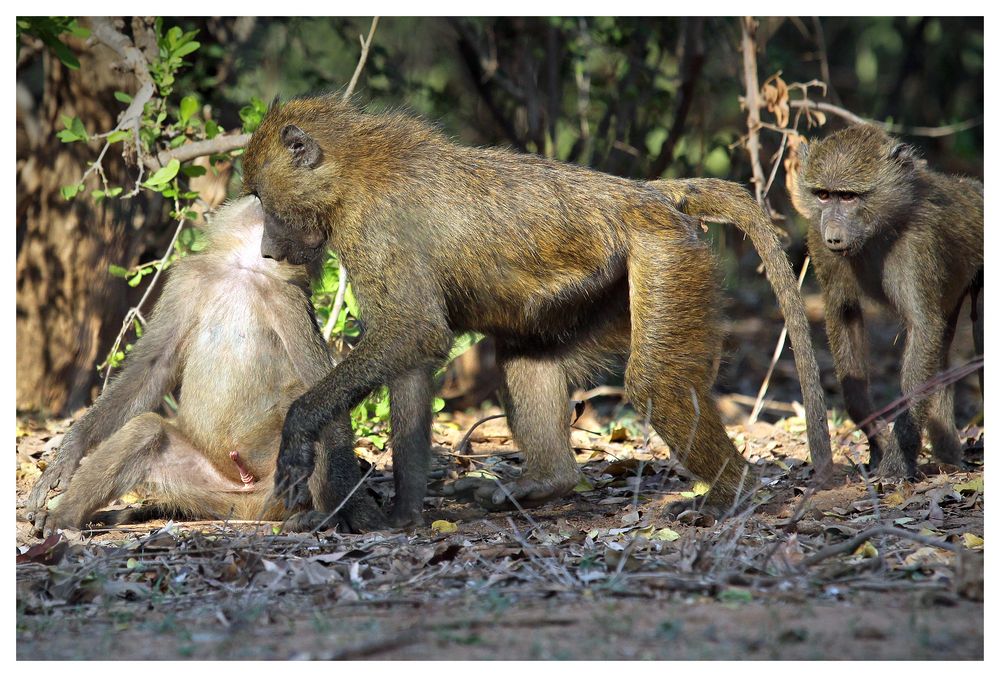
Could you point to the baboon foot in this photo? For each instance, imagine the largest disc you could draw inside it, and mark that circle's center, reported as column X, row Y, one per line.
column 493, row 495
column 894, row 468
column 314, row 520
column 402, row 517
column 56, row 475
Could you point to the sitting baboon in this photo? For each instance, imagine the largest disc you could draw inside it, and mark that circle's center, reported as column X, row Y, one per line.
column 886, row 227
column 237, row 333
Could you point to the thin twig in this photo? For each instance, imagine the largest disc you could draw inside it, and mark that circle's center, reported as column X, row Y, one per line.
column 135, row 310
column 853, row 118
column 753, row 104
column 338, row 301
column 852, row 544
column 759, row 403
column 940, row 380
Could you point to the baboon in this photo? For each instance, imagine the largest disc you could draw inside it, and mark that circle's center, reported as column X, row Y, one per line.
column 887, row 228
column 237, row 333
column 562, row 265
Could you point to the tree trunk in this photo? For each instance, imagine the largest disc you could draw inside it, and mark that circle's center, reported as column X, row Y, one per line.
column 69, row 309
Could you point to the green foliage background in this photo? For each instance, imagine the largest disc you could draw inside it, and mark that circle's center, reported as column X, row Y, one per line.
column 604, row 92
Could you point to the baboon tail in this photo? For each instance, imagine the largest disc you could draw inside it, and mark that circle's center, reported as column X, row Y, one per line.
column 719, row 201
column 976, row 314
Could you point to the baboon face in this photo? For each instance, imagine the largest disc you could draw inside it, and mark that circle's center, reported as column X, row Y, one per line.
column 284, row 242
column 286, row 168
column 855, row 185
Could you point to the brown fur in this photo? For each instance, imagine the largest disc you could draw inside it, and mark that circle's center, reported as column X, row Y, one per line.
column 887, row 228
column 237, row 333
column 566, row 267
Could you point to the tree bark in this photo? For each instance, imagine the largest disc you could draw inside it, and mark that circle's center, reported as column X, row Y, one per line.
column 69, row 309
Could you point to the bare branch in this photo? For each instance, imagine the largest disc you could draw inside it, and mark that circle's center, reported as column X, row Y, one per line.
column 365, row 44
column 223, row 143
column 855, row 119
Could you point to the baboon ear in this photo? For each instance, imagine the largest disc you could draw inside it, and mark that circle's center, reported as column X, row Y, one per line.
column 903, row 153
column 304, row 149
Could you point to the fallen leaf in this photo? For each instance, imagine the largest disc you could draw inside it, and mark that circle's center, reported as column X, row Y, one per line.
column 444, row 527
column 49, row 551
column 972, row 542
column 972, row 486
column 892, row 500
column 866, row 550
column 927, row 558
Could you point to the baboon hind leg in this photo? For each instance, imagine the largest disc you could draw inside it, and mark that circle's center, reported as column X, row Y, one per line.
column 940, row 423
column 535, row 397
column 670, row 369
column 150, row 451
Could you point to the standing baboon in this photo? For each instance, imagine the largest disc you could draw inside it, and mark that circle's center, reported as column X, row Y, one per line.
column 238, row 334
column 887, row 228
column 562, row 265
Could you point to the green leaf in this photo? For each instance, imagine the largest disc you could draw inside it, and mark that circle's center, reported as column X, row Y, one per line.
column 437, row 405
column 463, row 342
column 97, row 195
column 123, row 97
column 117, row 271
column 735, row 595
column 135, row 280
column 69, row 192
column 120, row 135
column 164, row 174
column 189, row 106
column 194, row 170
column 184, row 50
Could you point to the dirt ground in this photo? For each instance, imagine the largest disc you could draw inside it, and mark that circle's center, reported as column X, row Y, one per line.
column 853, row 570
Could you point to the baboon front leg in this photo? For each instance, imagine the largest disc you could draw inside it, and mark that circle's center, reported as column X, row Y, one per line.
column 845, row 330
column 410, row 398
column 337, row 474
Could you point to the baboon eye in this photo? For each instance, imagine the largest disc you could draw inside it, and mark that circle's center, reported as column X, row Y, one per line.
column 848, row 197
column 822, row 195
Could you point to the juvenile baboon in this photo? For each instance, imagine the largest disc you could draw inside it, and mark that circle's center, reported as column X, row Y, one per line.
column 887, row 228
column 562, row 265
column 238, row 334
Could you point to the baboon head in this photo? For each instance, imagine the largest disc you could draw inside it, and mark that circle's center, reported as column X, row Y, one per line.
column 855, row 186
column 291, row 165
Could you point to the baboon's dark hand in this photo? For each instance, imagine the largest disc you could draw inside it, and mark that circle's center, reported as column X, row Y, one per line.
column 296, row 460
column 56, row 476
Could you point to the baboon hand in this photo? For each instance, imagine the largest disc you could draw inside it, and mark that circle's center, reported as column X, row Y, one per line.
column 56, row 476
column 296, row 460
